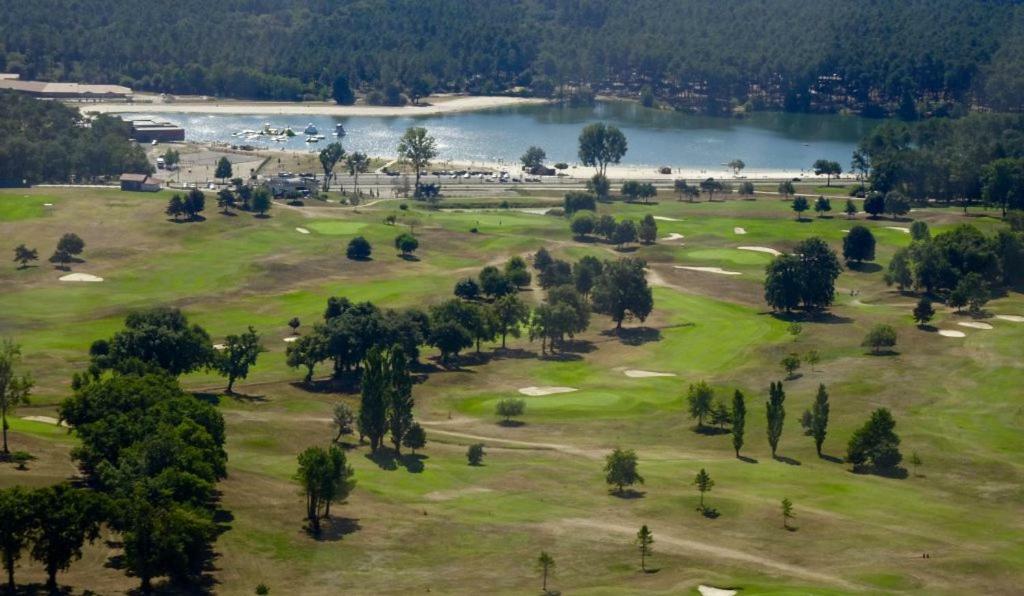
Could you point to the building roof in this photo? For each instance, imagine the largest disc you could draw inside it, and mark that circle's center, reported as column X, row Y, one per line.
column 133, row 177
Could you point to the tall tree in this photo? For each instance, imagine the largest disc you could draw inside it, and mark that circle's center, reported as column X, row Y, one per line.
column 776, row 414
column 620, row 469
column 68, row 247
column 325, row 477
column 700, row 398
column 357, row 163
column 739, row 420
column 417, row 148
column 533, row 159
column 859, row 245
column 223, row 170
column 621, row 291
column 239, row 353
column 644, row 542
column 510, row 314
column 400, row 404
column 704, row 484
column 17, row 521
column 875, row 443
column 23, row 255
column 828, row 168
column 14, row 388
column 373, row 410
column 329, row 158
column 601, row 144
column 341, row 91
column 818, row 420
column 66, row 518
column 546, row 566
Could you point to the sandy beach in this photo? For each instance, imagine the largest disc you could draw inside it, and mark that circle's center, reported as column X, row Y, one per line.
column 438, row 104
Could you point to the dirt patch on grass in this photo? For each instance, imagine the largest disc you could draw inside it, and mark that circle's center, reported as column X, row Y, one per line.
column 448, row 495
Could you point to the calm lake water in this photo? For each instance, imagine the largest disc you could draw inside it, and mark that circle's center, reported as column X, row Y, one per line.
column 763, row 140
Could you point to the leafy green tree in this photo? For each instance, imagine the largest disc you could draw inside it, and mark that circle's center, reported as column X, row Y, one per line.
column 159, row 337
column 648, row 229
column 14, row 388
column 583, row 224
column 644, row 542
column 575, row 201
column 787, row 512
column 899, row 271
column 406, row 243
column 585, row 274
column 819, row 269
column 356, row 163
column 859, row 245
column 68, row 247
column 625, row 233
column 171, row 158
column 546, row 567
column 400, row 401
column 467, row 288
column 600, row 145
column 359, row 249
column 509, row 408
column 620, row 469
column 711, row 186
column 374, row 400
column 630, row 189
column 812, row 357
column 329, row 157
column 175, row 207
column 700, row 398
column 739, row 420
column 874, row 204
column 599, row 185
column 621, row 291
column 817, row 426
column 776, row 414
column 919, row 231
column 65, row 518
column 822, row 206
column 828, row 168
column 896, row 204
column 23, row 255
column 451, row 327
column 194, row 203
column 533, row 158
column 417, row 148
column 786, row 189
column 517, row 272
column 799, row 206
column 261, row 201
column 345, row 419
column 880, row 336
column 223, row 170
column 704, row 484
column 746, row 188
column 783, row 283
column 970, row 291
column 225, row 200
column 683, row 189
column 791, row 363
column 494, row 283
column 17, row 522
column 475, row 454
column 510, row 314
column 605, row 227
column 341, row 91
column 720, row 415
column 308, row 351
column 1002, row 183
column 737, row 166
column 239, row 353
column 923, row 311
column 415, row 438
column 875, row 444
column 542, row 259
column 850, row 209
column 325, row 477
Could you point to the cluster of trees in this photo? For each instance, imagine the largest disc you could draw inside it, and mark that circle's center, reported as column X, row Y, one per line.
column 804, row 278
column 897, row 55
column 68, row 248
column 978, row 158
column 239, row 196
column 963, row 265
column 620, row 233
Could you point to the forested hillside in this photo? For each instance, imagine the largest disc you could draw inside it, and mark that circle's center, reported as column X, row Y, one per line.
column 875, row 55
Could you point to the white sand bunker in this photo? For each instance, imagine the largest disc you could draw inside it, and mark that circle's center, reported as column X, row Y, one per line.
column 663, row 218
column 289, row 340
column 81, row 277
column 447, row 495
column 44, row 420
column 1011, row 318
column 763, row 249
column 739, row 231
column 898, row 229
column 951, row 333
column 709, row 591
column 302, row 230
column 975, row 325
column 537, row 391
column 717, row 270
column 219, row 346
column 645, row 374
column 674, row 236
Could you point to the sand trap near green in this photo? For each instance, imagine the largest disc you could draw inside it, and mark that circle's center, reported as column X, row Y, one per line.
column 539, row 391
column 717, row 270
column 302, row 230
column 645, row 374
column 951, row 333
column 673, row 236
column 85, row 277
column 44, row 420
column 975, row 325
column 739, row 230
column 898, row 229
column 663, row 218
column 764, row 249
column 1011, row 318
column 710, row 591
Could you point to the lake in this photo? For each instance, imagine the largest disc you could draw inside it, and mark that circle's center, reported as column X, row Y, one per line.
column 764, row 140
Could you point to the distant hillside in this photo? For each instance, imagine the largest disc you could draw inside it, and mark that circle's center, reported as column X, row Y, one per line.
column 876, row 56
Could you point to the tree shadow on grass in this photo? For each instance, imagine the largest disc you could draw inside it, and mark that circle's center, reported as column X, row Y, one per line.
column 410, row 258
column 247, row 398
column 384, row 458
column 333, row 529
column 513, row 354
column 864, row 267
column 560, row 357
column 413, row 462
column 651, row 571
column 634, row 336
column 211, row 398
column 897, row 473
column 263, row 216
column 882, row 353
column 831, row 458
column 628, row 493
column 710, row 431
column 745, row 459
column 709, row 512
column 787, row 460
column 826, row 318
column 347, row 383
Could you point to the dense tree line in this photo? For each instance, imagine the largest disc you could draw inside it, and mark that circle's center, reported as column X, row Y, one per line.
column 46, row 141
column 877, row 55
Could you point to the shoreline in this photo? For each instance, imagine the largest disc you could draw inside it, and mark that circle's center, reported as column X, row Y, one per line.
column 441, row 104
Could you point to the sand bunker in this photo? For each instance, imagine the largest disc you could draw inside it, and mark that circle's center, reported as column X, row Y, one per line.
column 898, row 229
column 951, row 333
column 709, row 591
column 975, row 325
column 673, row 236
column 717, row 270
column 663, row 218
column 739, row 231
column 645, row 374
column 1011, row 318
column 289, row 340
column 763, row 249
column 219, row 346
column 44, row 420
column 537, row 391
column 80, row 277
column 447, row 495
column 302, row 230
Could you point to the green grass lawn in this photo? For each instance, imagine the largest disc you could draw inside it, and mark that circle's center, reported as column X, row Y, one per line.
column 434, row 523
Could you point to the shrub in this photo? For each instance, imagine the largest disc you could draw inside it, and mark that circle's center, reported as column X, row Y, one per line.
column 475, row 454
column 359, row 249
column 880, row 336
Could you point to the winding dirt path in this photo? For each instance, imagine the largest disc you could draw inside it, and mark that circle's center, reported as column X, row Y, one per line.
column 498, row 441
